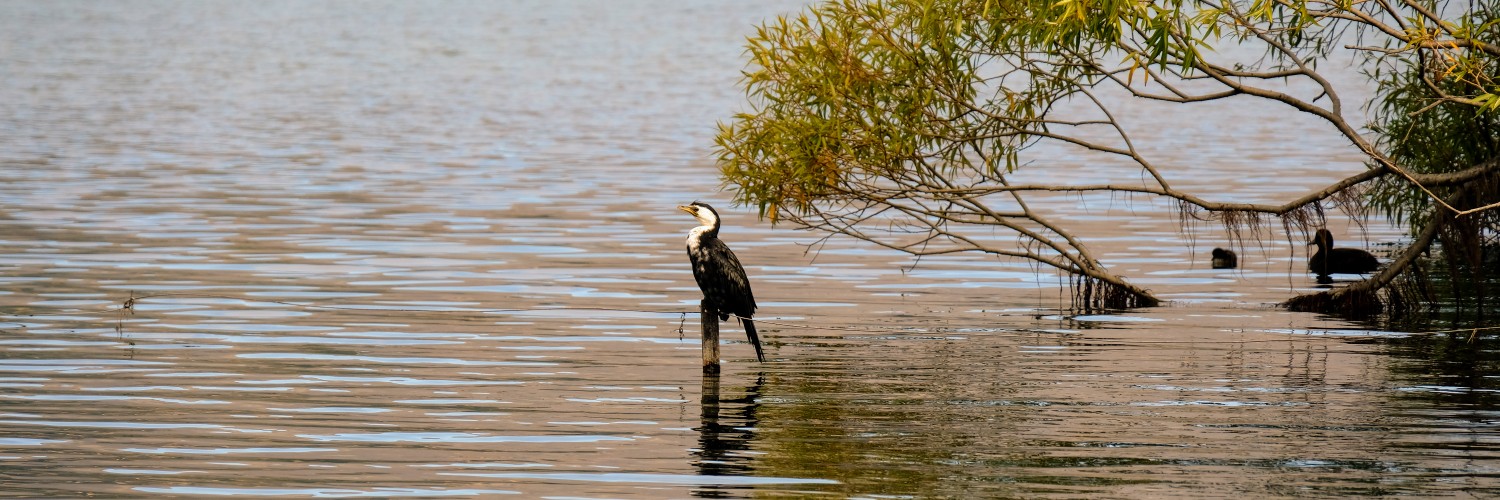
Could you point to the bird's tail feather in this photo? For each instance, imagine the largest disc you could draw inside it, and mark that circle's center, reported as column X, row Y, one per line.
column 754, row 338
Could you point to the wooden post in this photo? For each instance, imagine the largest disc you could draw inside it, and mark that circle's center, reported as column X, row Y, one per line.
column 710, row 400
column 710, row 328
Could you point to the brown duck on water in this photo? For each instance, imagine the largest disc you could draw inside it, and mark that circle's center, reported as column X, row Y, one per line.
column 1329, row 260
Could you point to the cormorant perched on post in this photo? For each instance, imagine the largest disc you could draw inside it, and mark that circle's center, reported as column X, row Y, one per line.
column 719, row 274
column 1329, row 260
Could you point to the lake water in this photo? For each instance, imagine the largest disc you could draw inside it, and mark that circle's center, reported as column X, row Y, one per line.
column 430, row 249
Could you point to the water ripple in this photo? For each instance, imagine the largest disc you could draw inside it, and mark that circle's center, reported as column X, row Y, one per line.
column 127, row 425
column 226, row 451
column 322, row 492
column 80, row 397
column 410, row 381
column 626, row 477
column 457, row 437
column 389, row 360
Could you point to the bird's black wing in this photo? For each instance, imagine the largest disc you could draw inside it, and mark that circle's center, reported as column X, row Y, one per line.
column 722, row 279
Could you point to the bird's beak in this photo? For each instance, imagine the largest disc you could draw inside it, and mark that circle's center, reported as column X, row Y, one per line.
column 685, row 208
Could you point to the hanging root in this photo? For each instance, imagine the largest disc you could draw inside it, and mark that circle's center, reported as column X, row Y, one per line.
column 1093, row 294
column 1411, row 292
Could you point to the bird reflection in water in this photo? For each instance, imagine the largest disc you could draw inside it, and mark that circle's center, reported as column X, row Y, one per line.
column 725, row 434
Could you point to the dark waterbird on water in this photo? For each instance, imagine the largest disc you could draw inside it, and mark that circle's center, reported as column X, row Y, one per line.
column 1224, row 259
column 725, row 287
column 1329, row 260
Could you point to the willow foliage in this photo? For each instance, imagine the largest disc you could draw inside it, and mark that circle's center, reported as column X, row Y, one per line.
column 900, row 121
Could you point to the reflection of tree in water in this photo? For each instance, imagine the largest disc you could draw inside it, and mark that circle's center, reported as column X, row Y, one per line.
column 1444, row 404
column 1447, row 370
column 727, row 429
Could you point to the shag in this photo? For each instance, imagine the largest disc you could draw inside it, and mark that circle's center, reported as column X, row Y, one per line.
column 1329, row 260
column 719, row 274
column 1224, row 259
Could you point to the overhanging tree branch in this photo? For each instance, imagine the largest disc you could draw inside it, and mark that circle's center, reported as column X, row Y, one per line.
column 901, row 122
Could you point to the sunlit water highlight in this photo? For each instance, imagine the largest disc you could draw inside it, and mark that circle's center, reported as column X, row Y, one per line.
column 417, row 249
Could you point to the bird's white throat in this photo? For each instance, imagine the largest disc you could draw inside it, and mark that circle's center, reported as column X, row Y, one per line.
column 695, row 237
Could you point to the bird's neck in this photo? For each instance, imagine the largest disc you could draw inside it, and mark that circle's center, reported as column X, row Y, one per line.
column 699, row 235
column 705, row 232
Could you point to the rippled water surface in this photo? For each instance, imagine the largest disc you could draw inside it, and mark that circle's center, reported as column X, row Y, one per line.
column 429, row 249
